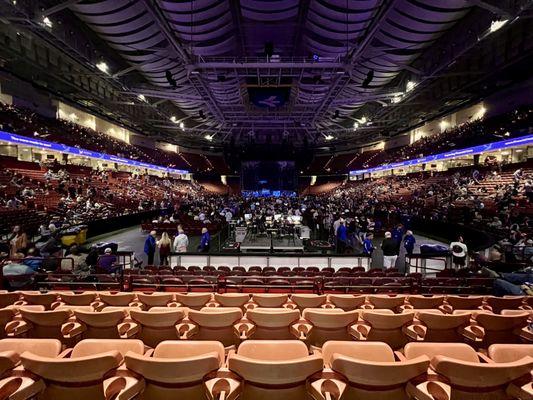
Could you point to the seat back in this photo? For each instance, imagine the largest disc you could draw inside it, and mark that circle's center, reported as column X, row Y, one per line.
column 46, row 324
column 216, row 323
column 501, row 303
column 40, row 347
column 72, row 378
column 504, row 353
column 8, row 298
column 347, row 302
column 308, row 300
column 274, row 368
column 386, row 302
column 459, row 351
column 157, row 326
column 177, row 368
column 232, row 299
column 82, row 299
column 88, row 347
column 100, row 325
column 499, row 328
column 6, row 315
column 40, row 299
column 117, row 299
column 387, row 326
column 155, row 299
column 425, row 302
column 443, row 327
column 270, row 300
column 329, row 324
column 272, row 323
column 464, row 302
column 193, row 300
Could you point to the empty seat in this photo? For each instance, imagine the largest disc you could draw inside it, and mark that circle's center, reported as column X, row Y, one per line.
column 270, row 300
column 371, row 370
column 274, row 369
column 493, row 328
column 156, row 300
column 425, row 302
column 6, row 315
column 303, row 301
column 464, row 302
column 457, row 373
column 157, row 326
column 117, row 299
column 71, row 299
column 214, row 323
column 40, row 299
column 39, row 324
column 193, row 300
column 232, row 299
column 383, row 326
column 268, row 323
column 497, row 304
column 321, row 324
column 387, row 302
column 346, row 301
column 86, row 374
column 97, row 325
column 434, row 326
column 176, row 369
column 8, row 299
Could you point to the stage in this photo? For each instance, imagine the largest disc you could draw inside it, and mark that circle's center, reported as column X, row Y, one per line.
column 266, row 243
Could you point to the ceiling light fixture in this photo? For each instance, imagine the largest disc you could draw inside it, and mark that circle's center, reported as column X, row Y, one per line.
column 209, row 137
column 47, row 22
column 102, row 66
column 182, row 125
column 329, row 137
column 141, row 97
column 410, row 85
column 497, row 25
column 355, row 125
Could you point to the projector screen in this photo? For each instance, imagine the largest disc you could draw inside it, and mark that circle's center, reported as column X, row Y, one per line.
column 268, row 175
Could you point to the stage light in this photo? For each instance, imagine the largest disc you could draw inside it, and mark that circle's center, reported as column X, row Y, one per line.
column 355, row 125
column 497, row 25
column 396, row 99
column 443, row 125
column 209, row 137
column 316, row 57
column 410, row 86
column 102, row 66
column 47, row 22
column 363, row 120
column 141, row 97
column 182, row 125
column 173, row 119
column 329, row 137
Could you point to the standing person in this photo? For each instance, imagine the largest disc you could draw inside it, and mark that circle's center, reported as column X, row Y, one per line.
column 18, row 242
column 342, row 238
column 397, row 235
column 459, row 252
column 409, row 242
column 164, row 245
column 205, row 241
column 181, row 242
column 390, row 251
column 368, row 246
column 149, row 247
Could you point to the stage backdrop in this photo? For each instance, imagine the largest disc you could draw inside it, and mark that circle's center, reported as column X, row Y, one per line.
column 268, row 175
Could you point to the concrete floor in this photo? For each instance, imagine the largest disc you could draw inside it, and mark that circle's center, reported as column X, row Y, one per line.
column 132, row 239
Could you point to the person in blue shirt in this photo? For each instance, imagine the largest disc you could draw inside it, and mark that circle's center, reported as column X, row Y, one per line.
column 149, row 247
column 342, row 238
column 205, row 241
column 397, row 234
column 368, row 246
column 409, row 242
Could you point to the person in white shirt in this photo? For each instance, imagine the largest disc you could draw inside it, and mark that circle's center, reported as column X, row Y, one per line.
column 228, row 216
column 459, row 252
column 181, row 242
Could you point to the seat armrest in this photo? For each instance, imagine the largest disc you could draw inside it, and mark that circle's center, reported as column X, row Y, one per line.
column 127, row 330
column 123, row 387
column 21, row 387
column 520, row 390
column 56, row 304
column 400, row 356
column 187, row 330
column 301, row 329
column 20, row 303
column 98, row 305
column 327, row 305
column 415, row 332
column 326, row 385
column 244, row 329
column 446, row 309
column 18, row 328
column 148, row 352
column 359, row 331
column 525, row 333
column 290, row 305
column 474, row 333
column 70, row 330
column 250, row 305
column 429, row 390
column 212, row 304
column 224, row 385
column 137, row 304
column 484, row 358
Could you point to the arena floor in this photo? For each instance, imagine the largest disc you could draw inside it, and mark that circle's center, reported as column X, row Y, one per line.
column 132, row 239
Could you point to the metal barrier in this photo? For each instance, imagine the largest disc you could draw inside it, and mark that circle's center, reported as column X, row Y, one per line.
column 419, row 262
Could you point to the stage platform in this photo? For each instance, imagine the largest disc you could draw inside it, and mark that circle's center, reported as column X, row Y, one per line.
column 264, row 243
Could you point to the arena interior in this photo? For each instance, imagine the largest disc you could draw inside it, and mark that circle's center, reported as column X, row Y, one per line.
column 266, row 199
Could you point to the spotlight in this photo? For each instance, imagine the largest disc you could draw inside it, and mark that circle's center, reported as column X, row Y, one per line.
column 329, row 137
column 316, row 57
column 355, row 125
column 497, row 25
column 102, row 66
column 209, row 137
column 182, row 125
column 368, row 79
column 410, row 86
column 141, row 97
column 171, row 81
column 47, row 22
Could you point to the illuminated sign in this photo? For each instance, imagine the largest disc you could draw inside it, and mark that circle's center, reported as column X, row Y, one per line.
column 503, row 144
column 41, row 144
